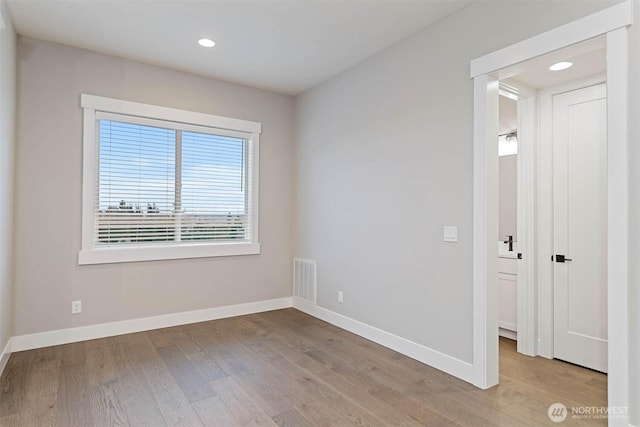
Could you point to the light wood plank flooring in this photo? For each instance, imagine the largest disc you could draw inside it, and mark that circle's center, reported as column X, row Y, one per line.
column 279, row 368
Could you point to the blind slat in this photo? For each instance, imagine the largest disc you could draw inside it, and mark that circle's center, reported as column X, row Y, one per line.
column 137, row 201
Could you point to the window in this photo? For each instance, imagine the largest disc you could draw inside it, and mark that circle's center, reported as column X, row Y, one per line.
column 160, row 183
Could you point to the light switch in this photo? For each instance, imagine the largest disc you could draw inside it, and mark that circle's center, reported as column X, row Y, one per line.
column 450, row 233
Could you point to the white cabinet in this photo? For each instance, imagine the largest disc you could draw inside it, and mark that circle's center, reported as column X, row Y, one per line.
column 507, row 265
column 507, row 295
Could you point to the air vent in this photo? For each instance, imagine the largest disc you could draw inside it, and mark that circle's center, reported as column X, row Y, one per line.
column 304, row 279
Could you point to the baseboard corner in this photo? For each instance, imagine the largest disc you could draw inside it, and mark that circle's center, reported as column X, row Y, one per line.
column 4, row 356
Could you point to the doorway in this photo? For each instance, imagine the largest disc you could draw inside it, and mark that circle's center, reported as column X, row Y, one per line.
column 516, row 138
column 569, row 209
column 508, row 214
column 611, row 22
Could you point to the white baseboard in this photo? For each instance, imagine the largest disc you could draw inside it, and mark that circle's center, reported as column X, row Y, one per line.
column 509, row 326
column 456, row 367
column 441, row 361
column 82, row 333
column 4, row 356
column 508, row 333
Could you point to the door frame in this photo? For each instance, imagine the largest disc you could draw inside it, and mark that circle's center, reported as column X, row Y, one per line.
column 527, row 147
column 613, row 23
column 545, row 210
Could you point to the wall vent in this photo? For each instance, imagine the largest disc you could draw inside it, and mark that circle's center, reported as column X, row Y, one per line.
column 304, row 279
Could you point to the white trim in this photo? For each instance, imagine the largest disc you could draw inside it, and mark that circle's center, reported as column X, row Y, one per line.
column 253, row 172
column 526, row 285
column 599, row 23
column 426, row 355
column 188, row 127
column 89, row 176
column 95, row 107
column 4, row 356
column 479, row 234
column 485, row 230
column 545, row 228
column 613, row 18
column 115, row 254
column 111, row 105
column 507, row 331
column 82, row 333
column 618, row 221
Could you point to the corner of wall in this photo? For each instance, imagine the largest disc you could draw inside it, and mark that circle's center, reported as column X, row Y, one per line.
column 443, row 362
column 8, row 64
column 4, row 356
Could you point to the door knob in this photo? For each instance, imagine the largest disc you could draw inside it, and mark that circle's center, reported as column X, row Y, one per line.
column 561, row 258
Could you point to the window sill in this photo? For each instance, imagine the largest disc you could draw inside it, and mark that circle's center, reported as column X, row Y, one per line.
column 112, row 255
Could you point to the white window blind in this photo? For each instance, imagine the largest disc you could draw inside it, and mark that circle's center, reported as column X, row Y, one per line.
column 161, row 183
column 164, row 185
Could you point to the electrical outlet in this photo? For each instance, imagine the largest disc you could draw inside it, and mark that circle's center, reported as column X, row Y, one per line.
column 340, row 297
column 450, row 233
column 76, row 307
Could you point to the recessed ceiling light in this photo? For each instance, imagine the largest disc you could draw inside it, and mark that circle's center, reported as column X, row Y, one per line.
column 561, row 66
column 206, row 42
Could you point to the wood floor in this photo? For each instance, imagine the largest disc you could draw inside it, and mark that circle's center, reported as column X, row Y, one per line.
column 278, row 368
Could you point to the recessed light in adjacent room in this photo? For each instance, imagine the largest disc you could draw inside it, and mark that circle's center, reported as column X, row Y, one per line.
column 558, row 66
column 206, row 42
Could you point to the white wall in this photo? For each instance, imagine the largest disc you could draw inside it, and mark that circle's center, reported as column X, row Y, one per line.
column 7, row 146
column 508, row 197
column 385, row 159
column 508, row 115
column 507, row 173
column 634, row 215
column 48, row 195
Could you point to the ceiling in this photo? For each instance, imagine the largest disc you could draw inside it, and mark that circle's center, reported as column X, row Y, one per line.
column 283, row 46
column 589, row 58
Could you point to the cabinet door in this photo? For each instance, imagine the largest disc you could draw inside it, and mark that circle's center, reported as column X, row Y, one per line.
column 508, row 301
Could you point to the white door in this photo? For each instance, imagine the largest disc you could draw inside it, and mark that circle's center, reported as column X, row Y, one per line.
column 580, row 226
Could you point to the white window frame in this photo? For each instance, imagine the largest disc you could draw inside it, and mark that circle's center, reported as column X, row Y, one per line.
column 93, row 254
